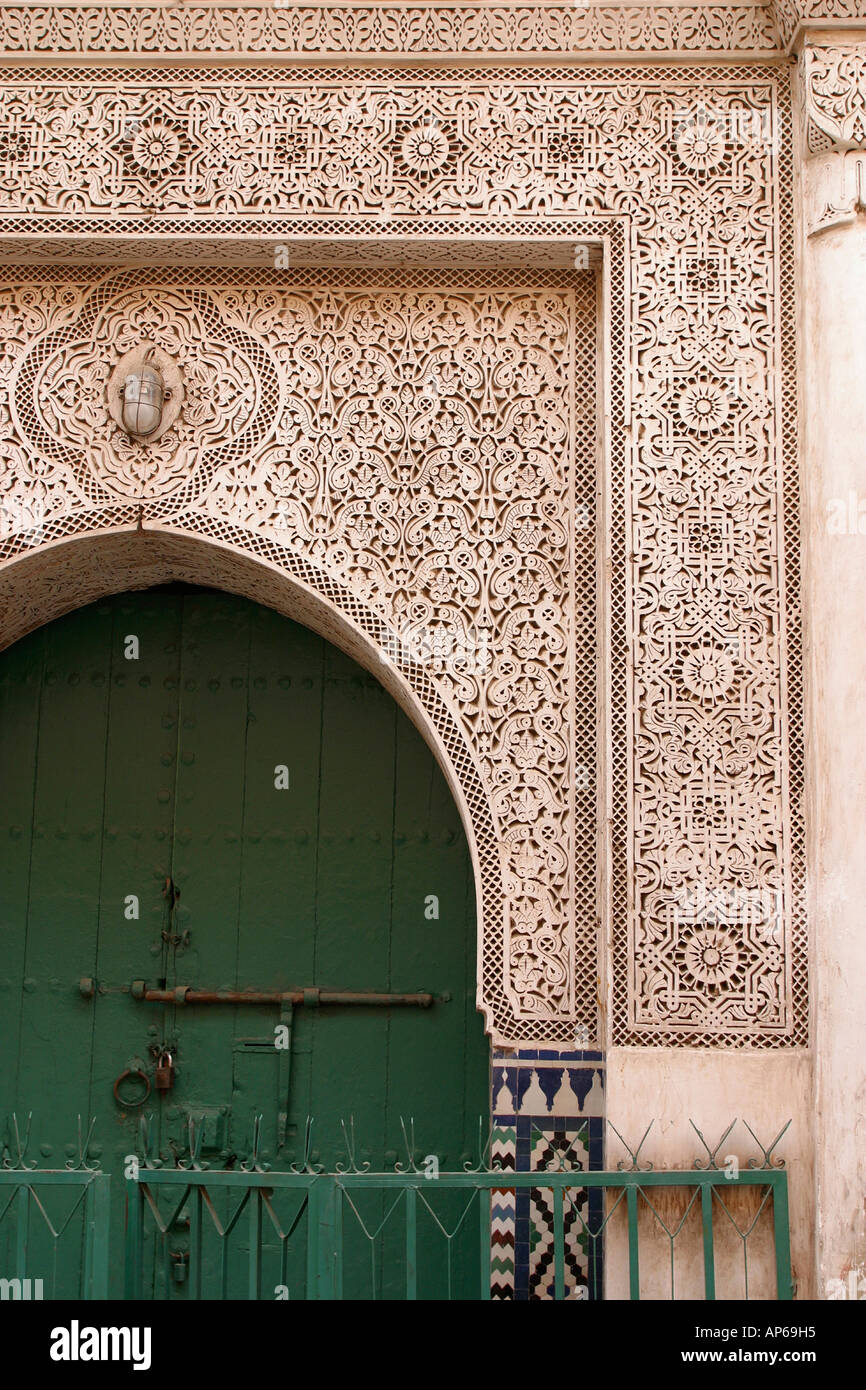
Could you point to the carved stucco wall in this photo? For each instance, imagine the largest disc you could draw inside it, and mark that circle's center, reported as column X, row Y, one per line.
column 463, row 503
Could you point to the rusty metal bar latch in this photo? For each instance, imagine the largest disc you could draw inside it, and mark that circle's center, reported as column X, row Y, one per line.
column 310, row 998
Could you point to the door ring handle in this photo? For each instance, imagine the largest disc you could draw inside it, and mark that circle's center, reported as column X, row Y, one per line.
column 131, row 1104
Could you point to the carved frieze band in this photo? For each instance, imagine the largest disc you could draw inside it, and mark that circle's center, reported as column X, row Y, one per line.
column 708, row 936
column 323, row 31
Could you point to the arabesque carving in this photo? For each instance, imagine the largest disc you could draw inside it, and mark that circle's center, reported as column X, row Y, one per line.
column 417, row 446
column 404, row 30
column 791, row 13
column 415, row 451
column 834, row 83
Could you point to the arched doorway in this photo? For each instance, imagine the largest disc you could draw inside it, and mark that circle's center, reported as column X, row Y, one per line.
column 202, row 794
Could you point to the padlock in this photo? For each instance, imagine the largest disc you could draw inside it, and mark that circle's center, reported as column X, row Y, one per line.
column 164, row 1072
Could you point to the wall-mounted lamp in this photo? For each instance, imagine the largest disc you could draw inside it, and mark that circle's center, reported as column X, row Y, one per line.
column 143, row 394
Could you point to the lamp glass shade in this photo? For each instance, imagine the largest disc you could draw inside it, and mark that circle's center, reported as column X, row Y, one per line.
column 143, row 394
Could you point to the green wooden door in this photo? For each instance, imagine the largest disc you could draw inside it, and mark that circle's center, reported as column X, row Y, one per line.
column 198, row 792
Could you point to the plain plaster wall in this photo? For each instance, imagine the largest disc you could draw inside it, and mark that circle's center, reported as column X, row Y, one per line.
column 672, row 1086
column 833, row 365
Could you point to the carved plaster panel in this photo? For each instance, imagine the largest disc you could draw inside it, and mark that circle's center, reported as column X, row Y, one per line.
column 224, row 401
column 367, row 474
column 165, row 154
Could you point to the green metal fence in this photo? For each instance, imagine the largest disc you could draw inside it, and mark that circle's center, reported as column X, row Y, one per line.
column 410, row 1233
column 402, row 1235
column 54, row 1223
column 54, row 1234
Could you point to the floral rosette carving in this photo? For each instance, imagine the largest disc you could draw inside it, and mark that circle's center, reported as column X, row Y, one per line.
column 62, row 395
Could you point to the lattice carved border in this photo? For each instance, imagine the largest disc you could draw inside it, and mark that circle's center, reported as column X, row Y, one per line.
column 701, row 589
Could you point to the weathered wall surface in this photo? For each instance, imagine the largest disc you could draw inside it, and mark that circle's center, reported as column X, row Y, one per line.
column 673, row 1087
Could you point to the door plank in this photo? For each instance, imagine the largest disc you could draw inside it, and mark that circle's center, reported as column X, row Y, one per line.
column 276, row 943
column 353, row 902
column 21, row 676
column 65, row 872
column 209, row 828
column 139, row 794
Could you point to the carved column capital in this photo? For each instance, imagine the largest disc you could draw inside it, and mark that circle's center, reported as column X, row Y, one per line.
column 832, row 81
column 834, row 94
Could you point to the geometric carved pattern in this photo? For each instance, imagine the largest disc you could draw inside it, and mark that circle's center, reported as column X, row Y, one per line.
column 703, row 650
column 120, row 151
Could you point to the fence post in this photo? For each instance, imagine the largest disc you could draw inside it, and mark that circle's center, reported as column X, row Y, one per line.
column 485, row 1199
column 324, row 1235
column 709, row 1253
column 98, row 1217
column 784, row 1279
column 133, row 1286
column 558, row 1244
column 23, row 1231
column 411, row 1244
column 633, row 1247
column 254, row 1278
